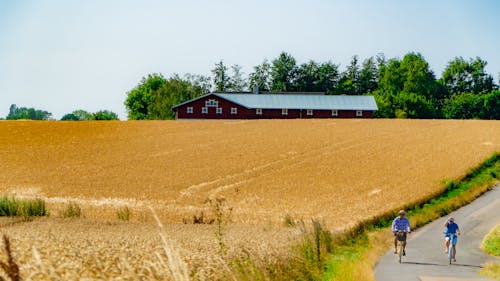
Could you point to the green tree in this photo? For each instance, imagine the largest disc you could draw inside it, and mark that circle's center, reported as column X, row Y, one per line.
column 283, row 71
column 139, row 98
column 16, row 113
column 201, row 82
column 368, row 77
column 492, row 105
column 83, row 115
column 461, row 76
column 315, row 77
column 105, row 115
column 261, row 77
column 175, row 91
column 464, row 106
column 236, row 82
column 221, row 77
column 69, row 117
column 78, row 115
column 307, row 77
column 349, row 79
column 327, row 77
column 409, row 88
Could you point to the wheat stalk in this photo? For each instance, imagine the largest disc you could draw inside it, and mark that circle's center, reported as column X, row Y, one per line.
column 176, row 265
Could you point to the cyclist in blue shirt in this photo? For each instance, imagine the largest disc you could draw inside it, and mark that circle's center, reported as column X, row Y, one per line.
column 400, row 223
column 451, row 228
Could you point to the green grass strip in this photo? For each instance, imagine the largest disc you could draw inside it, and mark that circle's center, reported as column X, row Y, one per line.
column 349, row 256
column 491, row 245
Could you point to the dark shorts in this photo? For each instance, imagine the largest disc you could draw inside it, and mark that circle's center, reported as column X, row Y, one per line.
column 400, row 238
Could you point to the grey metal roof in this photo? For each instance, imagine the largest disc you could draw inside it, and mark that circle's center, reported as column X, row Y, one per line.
column 323, row 102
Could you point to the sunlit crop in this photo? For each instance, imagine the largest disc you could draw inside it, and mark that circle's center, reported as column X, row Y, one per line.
column 269, row 171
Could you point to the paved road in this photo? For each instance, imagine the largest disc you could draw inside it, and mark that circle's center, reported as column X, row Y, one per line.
column 425, row 257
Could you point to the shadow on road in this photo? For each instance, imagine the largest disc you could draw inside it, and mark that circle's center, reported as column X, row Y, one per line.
column 437, row 264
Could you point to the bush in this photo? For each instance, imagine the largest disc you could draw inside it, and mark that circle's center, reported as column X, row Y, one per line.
column 72, row 211
column 11, row 207
column 124, row 214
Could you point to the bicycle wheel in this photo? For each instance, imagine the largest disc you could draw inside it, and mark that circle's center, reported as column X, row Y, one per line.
column 400, row 250
column 450, row 252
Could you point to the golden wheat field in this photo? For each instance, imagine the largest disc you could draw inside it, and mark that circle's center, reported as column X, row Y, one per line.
column 336, row 171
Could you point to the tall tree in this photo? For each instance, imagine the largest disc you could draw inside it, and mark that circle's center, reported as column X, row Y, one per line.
column 261, row 77
column 200, row 81
column 368, row 77
column 283, row 71
column 408, row 87
column 237, row 82
column 307, row 77
column 139, row 98
column 176, row 90
column 328, row 77
column 221, row 77
column 349, row 79
column 461, row 76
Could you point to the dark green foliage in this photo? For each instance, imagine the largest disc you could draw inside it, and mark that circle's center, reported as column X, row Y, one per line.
column 70, row 117
column 464, row 106
column 16, row 113
column 140, row 98
column 283, row 73
column 492, row 105
column 261, row 76
column 155, row 96
column 13, row 207
column 176, row 90
column 105, row 115
column 78, row 115
column 221, row 77
column 82, row 115
column 461, row 77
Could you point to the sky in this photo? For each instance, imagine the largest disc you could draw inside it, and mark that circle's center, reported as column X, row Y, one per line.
column 63, row 55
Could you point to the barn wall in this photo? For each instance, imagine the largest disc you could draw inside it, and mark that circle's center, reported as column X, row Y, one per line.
column 245, row 113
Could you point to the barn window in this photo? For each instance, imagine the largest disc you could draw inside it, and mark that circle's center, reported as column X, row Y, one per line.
column 359, row 113
column 204, row 110
column 284, row 111
column 219, row 110
column 258, row 111
column 309, row 112
column 189, row 109
column 211, row 103
column 234, row 110
column 335, row 112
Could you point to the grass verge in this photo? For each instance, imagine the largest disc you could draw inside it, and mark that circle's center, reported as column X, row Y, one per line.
column 491, row 245
column 355, row 256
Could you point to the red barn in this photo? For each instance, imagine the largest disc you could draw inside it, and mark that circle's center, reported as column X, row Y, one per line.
column 271, row 106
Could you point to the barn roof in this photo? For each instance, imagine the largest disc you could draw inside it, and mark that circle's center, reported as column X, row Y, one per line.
column 297, row 101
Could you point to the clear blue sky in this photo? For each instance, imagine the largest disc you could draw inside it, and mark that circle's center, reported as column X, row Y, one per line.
column 62, row 55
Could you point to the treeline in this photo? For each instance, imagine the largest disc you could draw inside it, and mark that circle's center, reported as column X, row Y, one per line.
column 18, row 113
column 82, row 115
column 403, row 88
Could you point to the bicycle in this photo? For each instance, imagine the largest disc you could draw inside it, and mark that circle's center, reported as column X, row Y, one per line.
column 401, row 237
column 451, row 250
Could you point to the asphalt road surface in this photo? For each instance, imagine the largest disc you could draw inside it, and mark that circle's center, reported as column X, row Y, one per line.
column 426, row 259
